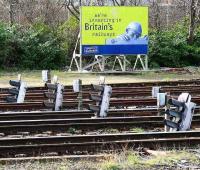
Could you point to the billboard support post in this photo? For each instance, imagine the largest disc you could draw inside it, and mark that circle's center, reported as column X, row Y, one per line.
column 81, row 65
column 143, row 59
column 77, row 57
column 146, row 62
column 122, row 62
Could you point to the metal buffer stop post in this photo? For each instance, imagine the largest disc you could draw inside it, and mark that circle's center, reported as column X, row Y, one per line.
column 18, row 91
column 46, row 76
column 102, row 100
column 180, row 116
column 55, row 96
column 77, row 87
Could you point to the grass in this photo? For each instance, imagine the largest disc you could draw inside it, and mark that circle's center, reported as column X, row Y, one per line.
column 33, row 78
column 110, row 165
column 172, row 158
column 132, row 160
column 110, row 130
column 71, row 130
column 125, row 160
column 137, row 130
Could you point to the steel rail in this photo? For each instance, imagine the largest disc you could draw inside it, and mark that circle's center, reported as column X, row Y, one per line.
column 97, row 138
column 137, row 84
column 72, row 104
column 95, row 143
column 119, row 94
column 73, row 114
column 96, row 147
column 6, row 116
column 35, row 115
column 84, row 124
column 92, row 157
column 134, row 120
column 115, row 88
column 194, row 82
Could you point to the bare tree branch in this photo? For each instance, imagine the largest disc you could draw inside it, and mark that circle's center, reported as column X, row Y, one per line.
column 72, row 4
column 67, row 4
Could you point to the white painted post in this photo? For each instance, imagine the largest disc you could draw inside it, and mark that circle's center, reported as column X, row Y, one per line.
column 59, row 97
column 105, row 101
column 22, row 93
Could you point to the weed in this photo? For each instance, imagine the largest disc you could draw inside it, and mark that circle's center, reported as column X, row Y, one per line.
column 172, row 158
column 137, row 130
column 71, row 130
column 110, row 165
column 111, row 130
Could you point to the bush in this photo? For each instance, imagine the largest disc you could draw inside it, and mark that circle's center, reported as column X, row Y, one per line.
column 37, row 47
column 9, row 46
column 169, row 48
column 68, row 31
column 41, row 49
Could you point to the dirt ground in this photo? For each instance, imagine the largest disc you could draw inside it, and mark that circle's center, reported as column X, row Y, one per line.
column 34, row 78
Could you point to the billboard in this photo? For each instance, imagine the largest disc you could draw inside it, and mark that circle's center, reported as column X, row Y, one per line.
column 114, row 30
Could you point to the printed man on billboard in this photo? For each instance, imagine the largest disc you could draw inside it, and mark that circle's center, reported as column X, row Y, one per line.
column 131, row 36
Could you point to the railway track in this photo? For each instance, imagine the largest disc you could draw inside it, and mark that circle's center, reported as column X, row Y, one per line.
column 133, row 92
column 19, row 131
column 138, row 84
column 124, row 95
column 166, row 85
column 39, row 115
column 91, row 144
column 34, row 97
column 85, row 125
column 72, row 104
column 6, row 116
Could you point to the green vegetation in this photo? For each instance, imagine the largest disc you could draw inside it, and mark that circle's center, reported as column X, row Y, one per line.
column 137, row 130
column 124, row 161
column 170, row 47
column 71, row 130
column 36, row 47
column 172, row 158
column 110, row 165
column 110, row 130
column 40, row 46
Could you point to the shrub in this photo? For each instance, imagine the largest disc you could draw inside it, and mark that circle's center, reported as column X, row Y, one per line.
column 37, row 47
column 41, row 49
column 169, row 48
column 9, row 46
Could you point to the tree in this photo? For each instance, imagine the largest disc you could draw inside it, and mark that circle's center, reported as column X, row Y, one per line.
column 193, row 19
column 13, row 7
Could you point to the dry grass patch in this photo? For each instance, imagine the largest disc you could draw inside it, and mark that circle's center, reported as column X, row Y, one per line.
column 126, row 160
column 33, row 78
